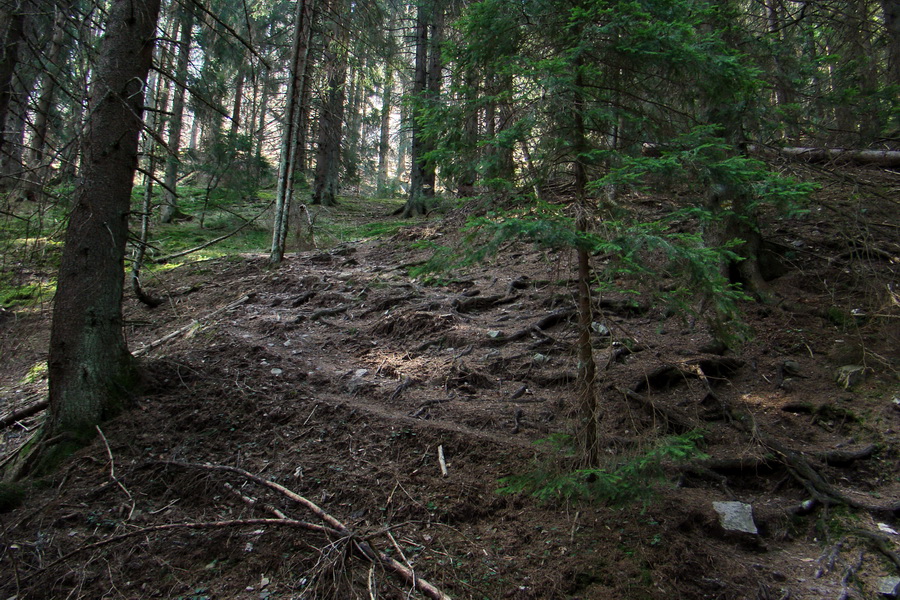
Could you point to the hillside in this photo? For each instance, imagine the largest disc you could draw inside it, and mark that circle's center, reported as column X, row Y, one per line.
column 346, row 381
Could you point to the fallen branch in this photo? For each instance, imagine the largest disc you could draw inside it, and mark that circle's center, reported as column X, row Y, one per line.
column 166, row 259
column 364, row 548
column 195, row 323
column 198, row 525
column 23, row 413
column 881, row 158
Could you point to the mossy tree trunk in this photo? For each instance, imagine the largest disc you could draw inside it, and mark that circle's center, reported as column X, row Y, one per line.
column 90, row 369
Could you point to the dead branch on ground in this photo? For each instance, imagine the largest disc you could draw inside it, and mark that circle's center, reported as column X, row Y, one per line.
column 363, row 547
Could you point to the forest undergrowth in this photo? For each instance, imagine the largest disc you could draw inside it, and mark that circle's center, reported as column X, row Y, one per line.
column 340, row 427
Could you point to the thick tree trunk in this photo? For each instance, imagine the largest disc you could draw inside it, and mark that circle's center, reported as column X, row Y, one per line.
column 91, row 373
column 238, row 101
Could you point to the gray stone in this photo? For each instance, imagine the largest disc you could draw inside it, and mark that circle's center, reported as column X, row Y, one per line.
column 889, row 587
column 736, row 516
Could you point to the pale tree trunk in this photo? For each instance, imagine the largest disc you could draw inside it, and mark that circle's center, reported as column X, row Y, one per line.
column 403, row 138
column 169, row 209
column 91, row 373
column 300, row 53
column 384, row 136
column 354, row 123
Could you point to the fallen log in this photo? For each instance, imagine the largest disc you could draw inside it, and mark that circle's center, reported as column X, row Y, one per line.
column 23, row 413
column 880, row 158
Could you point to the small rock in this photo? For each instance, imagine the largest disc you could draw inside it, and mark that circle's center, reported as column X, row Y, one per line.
column 736, row 516
column 276, row 371
column 850, row 375
column 600, row 329
column 541, row 359
column 360, row 373
column 791, row 368
column 885, row 528
column 889, row 587
column 493, row 333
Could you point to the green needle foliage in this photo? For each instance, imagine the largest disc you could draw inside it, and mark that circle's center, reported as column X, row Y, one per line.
column 630, row 250
column 625, row 481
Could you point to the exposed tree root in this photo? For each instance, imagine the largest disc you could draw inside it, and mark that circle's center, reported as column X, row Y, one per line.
column 807, row 475
column 797, row 465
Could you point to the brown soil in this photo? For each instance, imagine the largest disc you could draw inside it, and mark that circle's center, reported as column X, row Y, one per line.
column 341, row 379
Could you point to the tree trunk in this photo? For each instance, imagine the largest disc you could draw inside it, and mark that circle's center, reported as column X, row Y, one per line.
column 169, row 209
column 588, row 416
column 287, row 159
column 91, row 372
column 891, row 12
column 38, row 169
column 384, row 136
column 422, row 175
column 403, row 138
column 12, row 25
column 238, row 101
column 328, row 153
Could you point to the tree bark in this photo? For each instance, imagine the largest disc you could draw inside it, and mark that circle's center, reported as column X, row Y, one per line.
column 588, row 416
column 38, row 169
column 891, row 12
column 169, row 209
column 91, row 372
column 287, row 160
column 331, row 120
column 12, row 25
column 425, row 81
column 384, row 138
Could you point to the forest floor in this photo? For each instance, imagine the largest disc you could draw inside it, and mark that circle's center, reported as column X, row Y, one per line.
column 343, row 379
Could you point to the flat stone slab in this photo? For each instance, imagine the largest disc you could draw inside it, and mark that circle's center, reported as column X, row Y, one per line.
column 889, row 587
column 736, row 516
